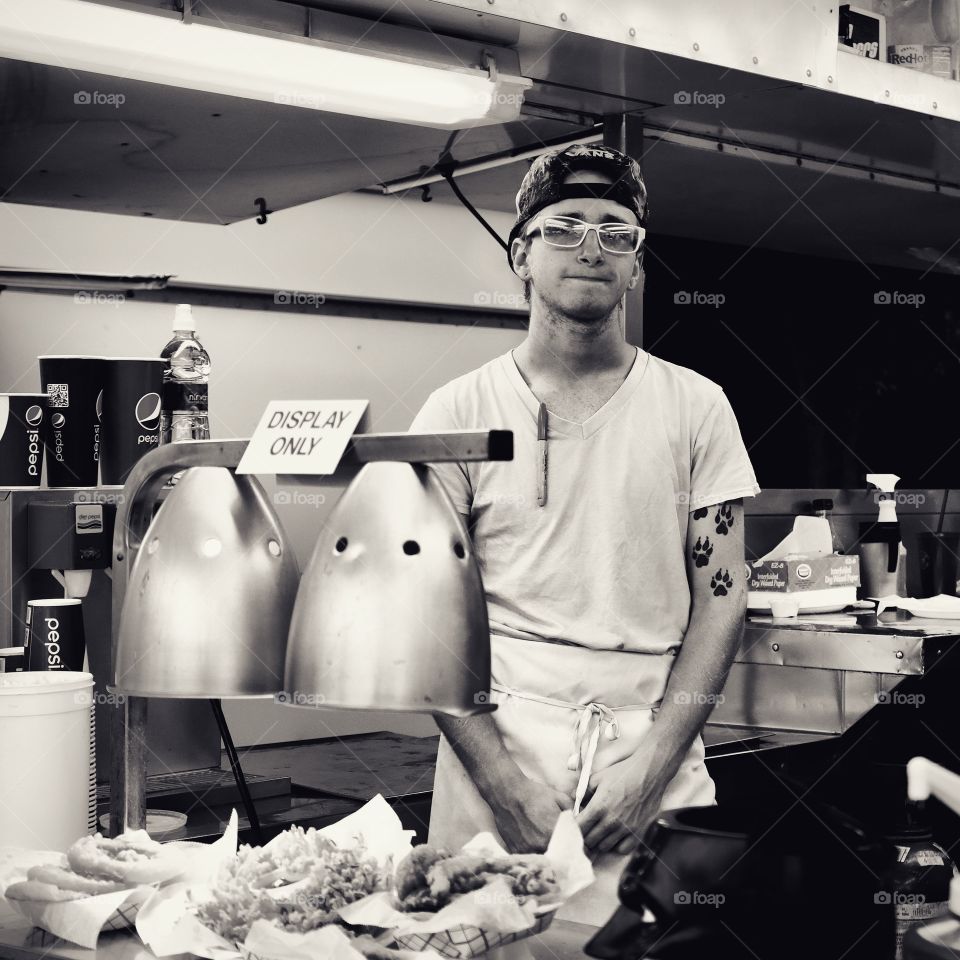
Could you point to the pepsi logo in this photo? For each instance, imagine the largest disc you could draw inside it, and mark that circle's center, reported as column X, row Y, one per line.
column 148, row 411
column 100, row 405
column 58, row 420
column 34, row 415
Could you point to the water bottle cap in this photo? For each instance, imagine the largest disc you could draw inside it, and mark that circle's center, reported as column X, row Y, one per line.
column 183, row 317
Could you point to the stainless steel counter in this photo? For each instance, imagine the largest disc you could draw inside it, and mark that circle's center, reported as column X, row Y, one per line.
column 820, row 674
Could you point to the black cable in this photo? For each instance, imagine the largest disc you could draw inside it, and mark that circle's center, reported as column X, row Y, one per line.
column 445, row 167
column 238, row 772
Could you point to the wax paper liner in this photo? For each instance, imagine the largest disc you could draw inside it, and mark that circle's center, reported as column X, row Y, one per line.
column 489, row 917
column 82, row 921
column 168, row 922
column 941, row 603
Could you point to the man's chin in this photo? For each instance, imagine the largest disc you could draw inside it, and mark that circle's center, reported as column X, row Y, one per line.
column 588, row 312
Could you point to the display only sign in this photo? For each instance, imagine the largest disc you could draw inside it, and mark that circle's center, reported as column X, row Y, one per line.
column 302, row 436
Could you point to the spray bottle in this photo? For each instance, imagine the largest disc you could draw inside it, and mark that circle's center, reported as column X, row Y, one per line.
column 883, row 557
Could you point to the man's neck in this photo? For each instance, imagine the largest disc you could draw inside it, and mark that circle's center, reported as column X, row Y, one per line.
column 562, row 349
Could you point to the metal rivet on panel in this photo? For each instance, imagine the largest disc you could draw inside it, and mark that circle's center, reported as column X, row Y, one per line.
column 899, row 654
column 563, row 17
column 696, row 46
column 633, row 31
column 829, row 79
column 809, row 73
column 775, row 647
column 756, row 59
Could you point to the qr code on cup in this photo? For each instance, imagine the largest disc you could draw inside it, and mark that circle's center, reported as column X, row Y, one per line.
column 59, row 395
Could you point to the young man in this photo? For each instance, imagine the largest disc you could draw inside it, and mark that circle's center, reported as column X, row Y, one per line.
column 614, row 578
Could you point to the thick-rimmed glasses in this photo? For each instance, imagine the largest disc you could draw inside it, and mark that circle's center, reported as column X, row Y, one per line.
column 570, row 232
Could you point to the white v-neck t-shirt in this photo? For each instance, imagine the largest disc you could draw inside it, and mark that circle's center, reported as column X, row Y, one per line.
column 601, row 565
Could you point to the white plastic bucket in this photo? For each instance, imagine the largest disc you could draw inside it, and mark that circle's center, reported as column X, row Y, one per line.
column 47, row 759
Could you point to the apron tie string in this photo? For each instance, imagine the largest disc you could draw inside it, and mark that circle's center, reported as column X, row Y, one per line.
column 595, row 718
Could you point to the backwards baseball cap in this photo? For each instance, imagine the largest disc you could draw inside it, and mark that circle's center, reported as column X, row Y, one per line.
column 543, row 184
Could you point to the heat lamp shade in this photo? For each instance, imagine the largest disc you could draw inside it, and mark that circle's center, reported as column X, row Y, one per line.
column 391, row 613
column 208, row 604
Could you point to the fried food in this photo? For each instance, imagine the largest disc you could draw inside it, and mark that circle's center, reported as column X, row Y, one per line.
column 69, row 880
column 429, row 878
column 129, row 860
column 257, row 885
column 44, row 892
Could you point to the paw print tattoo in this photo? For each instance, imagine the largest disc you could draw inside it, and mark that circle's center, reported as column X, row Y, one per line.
column 724, row 518
column 721, row 582
column 702, row 551
column 700, row 514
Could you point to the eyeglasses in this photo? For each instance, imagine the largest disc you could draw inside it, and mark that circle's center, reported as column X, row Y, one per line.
column 570, row 232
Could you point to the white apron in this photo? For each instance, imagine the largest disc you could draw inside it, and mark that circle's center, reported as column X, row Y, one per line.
column 565, row 712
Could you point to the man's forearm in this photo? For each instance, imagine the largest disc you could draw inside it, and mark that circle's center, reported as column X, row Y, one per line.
column 698, row 676
column 479, row 747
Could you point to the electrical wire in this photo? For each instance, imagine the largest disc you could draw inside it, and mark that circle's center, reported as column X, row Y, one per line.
column 238, row 776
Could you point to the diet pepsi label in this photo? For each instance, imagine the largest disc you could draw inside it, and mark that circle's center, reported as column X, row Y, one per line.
column 183, row 396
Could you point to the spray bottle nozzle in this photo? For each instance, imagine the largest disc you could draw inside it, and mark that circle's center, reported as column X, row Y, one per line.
column 886, row 483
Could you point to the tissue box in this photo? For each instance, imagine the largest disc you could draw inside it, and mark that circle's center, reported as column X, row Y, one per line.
column 804, row 573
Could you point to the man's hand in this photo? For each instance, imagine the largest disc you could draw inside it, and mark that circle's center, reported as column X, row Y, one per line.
column 526, row 818
column 624, row 799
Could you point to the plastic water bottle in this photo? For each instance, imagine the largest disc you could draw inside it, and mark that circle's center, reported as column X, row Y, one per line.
column 184, row 414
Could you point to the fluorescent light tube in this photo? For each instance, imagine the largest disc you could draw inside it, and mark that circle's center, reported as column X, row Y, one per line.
column 77, row 35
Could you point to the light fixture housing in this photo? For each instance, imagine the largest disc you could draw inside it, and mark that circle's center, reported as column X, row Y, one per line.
column 210, row 594
column 287, row 70
column 391, row 613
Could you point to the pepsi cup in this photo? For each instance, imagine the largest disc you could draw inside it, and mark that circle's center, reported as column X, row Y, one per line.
column 54, row 639
column 74, row 387
column 22, row 429
column 131, row 414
